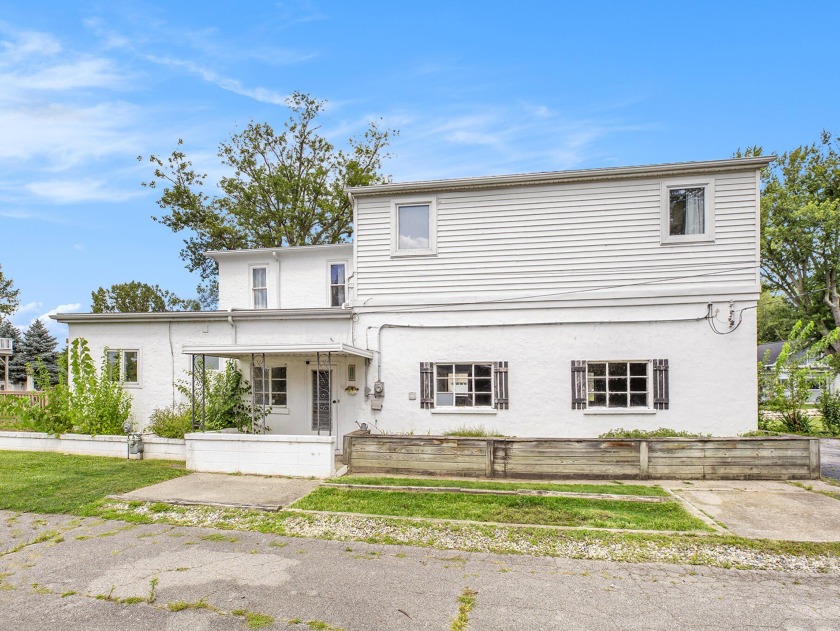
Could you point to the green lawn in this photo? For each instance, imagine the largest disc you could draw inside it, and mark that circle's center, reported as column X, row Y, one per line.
column 512, row 509
column 58, row 483
column 614, row 488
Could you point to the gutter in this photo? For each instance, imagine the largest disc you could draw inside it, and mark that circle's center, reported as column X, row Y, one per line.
column 230, row 315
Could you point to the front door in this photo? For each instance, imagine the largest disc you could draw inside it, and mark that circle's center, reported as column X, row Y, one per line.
column 322, row 401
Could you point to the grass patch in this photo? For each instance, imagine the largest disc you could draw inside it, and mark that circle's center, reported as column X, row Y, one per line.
column 662, row 432
column 466, row 602
column 219, row 537
column 58, row 483
column 616, row 489
column 254, row 619
column 512, row 509
column 181, row 605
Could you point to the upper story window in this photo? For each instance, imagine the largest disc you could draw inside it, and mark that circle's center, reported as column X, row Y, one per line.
column 124, row 365
column 413, row 228
column 259, row 287
column 338, row 284
column 688, row 211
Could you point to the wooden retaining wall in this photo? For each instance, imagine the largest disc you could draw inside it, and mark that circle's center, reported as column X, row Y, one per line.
column 776, row 458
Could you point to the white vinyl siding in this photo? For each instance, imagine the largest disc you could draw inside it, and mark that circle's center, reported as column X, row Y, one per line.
column 535, row 240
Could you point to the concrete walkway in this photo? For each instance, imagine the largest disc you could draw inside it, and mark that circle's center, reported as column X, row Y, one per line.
column 221, row 489
column 197, row 578
column 766, row 509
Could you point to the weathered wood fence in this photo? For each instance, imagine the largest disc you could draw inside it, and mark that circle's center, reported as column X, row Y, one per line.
column 38, row 399
column 772, row 458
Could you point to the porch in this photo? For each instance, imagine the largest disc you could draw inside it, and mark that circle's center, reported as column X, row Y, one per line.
column 314, row 389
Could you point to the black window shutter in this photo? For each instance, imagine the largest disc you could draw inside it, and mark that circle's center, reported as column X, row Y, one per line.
column 660, row 384
column 427, row 392
column 500, row 375
column 578, row 384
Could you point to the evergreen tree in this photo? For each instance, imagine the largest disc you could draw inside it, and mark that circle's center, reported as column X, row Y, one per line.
column 38, row 344
column 17, row 371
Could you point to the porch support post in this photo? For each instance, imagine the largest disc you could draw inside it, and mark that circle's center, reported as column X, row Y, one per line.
column 330, row 390
column 192, row 392
column 266, row 382
column 203, row 393
column 318, row 391
column 253, row 395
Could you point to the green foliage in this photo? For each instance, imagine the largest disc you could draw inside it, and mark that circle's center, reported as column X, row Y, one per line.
column 9, row 296
column 784, row 388
column 800, row 232
column 38, row 348
column 662, row 432
column 830, row 408
column 171, row 422
column 286, row 188
column 477, row 431
column 226, row 399
column 135, row 297
column 90, row 403
column 776, row 317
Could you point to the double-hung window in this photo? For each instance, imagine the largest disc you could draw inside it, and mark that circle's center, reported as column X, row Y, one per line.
column 624, row 384
column 270, row 386
column 464, row 385
column 338, row 284
column 688, row 211
column 124, row 366
column 259, row 287
column 414, row 228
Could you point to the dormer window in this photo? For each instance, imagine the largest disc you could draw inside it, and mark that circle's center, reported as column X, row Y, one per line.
column 259, row 287
column 413, row 228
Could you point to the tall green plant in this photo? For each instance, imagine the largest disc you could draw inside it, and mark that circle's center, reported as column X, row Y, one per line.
column 786, row 385
column 227, row 400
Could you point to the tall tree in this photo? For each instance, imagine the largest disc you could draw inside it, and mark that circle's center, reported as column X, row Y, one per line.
column 285, row 188
column 776, row 317
column 9, row 300
column 38, row 346
column 800, row 232
column 17, row 370
column 135, row 297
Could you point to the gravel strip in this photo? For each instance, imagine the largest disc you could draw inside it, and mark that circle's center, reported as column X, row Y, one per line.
column 481, row 538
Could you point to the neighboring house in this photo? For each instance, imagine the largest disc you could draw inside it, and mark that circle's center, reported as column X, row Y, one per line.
column 548, row 304
column 823, row 376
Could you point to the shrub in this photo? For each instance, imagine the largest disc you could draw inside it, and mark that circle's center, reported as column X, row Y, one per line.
column 476, row 431
column 171, row 422
column 226, row 399
column 662, row 432
column 830, row 408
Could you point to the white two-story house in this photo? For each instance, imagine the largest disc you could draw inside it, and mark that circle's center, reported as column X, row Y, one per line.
column 548, row 304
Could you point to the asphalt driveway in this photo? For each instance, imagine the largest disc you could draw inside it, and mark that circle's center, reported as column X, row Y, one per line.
column 101, row 575
column 830, row 458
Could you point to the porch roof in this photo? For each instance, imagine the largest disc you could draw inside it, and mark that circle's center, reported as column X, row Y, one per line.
column 243, row 350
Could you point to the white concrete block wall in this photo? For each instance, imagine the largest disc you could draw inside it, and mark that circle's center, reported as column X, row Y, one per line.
column 154, row 447
column 266, row 454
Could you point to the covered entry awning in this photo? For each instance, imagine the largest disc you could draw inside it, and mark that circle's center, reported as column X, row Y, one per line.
column 257, row 354
column 235, row 351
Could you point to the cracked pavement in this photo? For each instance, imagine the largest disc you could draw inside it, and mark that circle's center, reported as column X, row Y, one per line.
column 359, row 587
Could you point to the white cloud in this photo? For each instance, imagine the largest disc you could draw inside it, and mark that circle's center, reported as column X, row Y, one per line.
column 79, row 247
column 263, row 95
column 81, row 190
column 57, row 329
column 29, row 307
column 27, row 44
column 27, row 215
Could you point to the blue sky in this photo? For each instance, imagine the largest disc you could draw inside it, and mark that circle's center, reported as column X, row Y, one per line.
column 475, row 88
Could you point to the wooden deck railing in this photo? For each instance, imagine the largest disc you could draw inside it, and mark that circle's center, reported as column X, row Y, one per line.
column 35, row 398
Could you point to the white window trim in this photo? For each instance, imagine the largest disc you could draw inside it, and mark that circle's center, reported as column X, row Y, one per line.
column 648, row 409
column 708, row 236
column 121, row 366
column 396, row 252
column 330, row 263
column 453, row 409
column 251, row 269
column 275, row 409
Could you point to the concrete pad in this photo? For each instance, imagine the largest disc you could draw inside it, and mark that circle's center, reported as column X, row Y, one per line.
column 220, row 489
column 830, row 457
column 767, row 510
